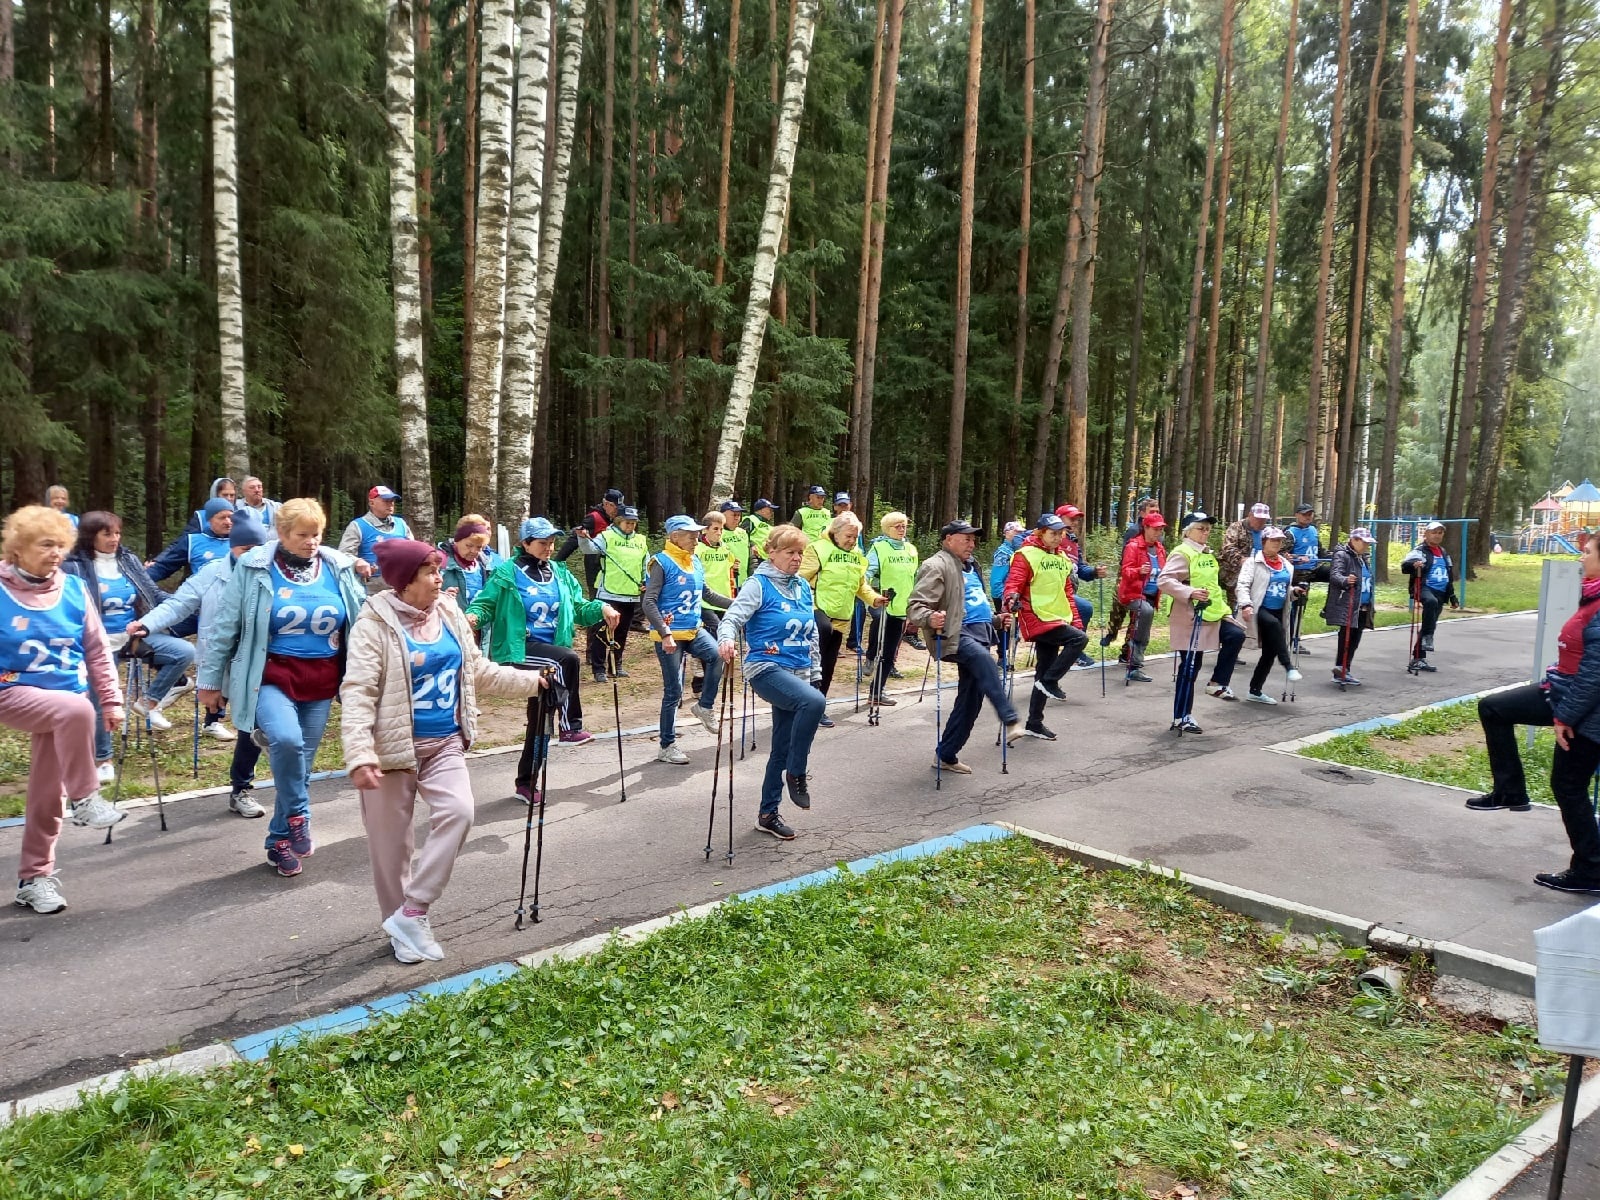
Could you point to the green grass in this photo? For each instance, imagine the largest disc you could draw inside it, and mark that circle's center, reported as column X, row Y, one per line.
column 1465, row 766
column 990, row 1022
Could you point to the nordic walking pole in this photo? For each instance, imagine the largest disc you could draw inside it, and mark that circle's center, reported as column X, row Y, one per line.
column 922, row 693
column 744, row 696
column 724, row 717
column 1101, row 584
column 155, row 767
column 1355, row 598
column 1189, row 670
column 545, row 730
column 858, row 670
column 197, row 732
column 729, row 686
column 1413, row 602
column 1000, row 738
column 613, row 660
column 132, row 691
column 875, row 685
column 527, row 824
column 938, row 728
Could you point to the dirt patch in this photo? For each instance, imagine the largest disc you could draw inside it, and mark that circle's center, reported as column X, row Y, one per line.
column 1202, row 979
column 1415, row 749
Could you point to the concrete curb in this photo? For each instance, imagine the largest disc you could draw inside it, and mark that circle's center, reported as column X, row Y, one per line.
column 1500, row 1169
column 1448, row 958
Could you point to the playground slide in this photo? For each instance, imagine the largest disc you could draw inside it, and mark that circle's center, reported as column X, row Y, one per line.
column 1564, row 545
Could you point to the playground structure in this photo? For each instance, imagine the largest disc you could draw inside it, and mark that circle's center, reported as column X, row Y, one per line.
column 1562, row 521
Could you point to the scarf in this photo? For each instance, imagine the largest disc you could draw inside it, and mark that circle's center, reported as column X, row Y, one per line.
column 1275, row 563
column 1591, row 591
column 19, row 580
column 422, row 624
column 300, row 570
column 684, row 558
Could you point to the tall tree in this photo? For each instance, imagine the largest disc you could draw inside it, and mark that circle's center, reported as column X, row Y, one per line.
column 764, row 267
column 1056, row 341
column 1024, row 245
column 225, row 223
column 608, row 148
column 469, row 192
column 719, row 264
column 1206, row 456
column 566, row 126
column 1152, row 124
column 875, row 86
column 969, row 174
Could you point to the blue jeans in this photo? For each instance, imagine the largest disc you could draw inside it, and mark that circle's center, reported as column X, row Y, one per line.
column 977, row 676
column 796, row 709
column 171, row 658
column 293, row 729
column 1085, row 609
column 703, row 647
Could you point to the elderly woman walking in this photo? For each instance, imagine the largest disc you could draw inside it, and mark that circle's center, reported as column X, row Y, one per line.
column 279, row 640
column 468, row 561
column 1201, row 620
column 836, row 569
column 53, row 650
column 1349, row 602
column 1265, row 590
column 410, row 715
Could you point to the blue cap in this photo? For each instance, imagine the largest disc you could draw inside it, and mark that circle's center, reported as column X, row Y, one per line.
column 732, row 506
column 817, row 490
column 683, row 525
column 1049, row 521
column 536, row 527
column 765, row 503
column 247, row 531
column 215, row 506
column 630, row 513
column 841, row 497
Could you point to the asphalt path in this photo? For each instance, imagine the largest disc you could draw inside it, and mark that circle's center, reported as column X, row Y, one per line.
column 175, row 940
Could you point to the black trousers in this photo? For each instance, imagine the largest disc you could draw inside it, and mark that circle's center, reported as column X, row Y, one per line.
column 889, row 629
column 1571, row 773
column 829, row 640
column 541, row 655
column 1056, row 650
column 1432, row 604
column 1274, row 646
column 1500, row 714
column 597, row 635
column 1349, row 643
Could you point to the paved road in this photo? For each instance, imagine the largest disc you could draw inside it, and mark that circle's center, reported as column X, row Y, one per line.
column 178, row 939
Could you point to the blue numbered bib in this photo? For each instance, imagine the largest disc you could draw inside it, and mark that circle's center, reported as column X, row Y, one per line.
column 1305, row 540
column 205, row 548
column 541, row 602
column 43, row 648
column 117, row 596
column 782, row 630
column 435, row 674
column 680, row 593
column 307, row 618
column 1150, row 588
column 1438, row 572
column 371, row 535
column 978, row 609
column 1366, row 584
column 1278, row 588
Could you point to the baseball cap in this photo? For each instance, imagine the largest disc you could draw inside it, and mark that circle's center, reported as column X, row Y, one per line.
column 959, row 526
column 382, row 492
column 1261, row 510
column 817, row 490
column 763, row 502
column 841, row 497
column 1011, row 527
column 1432, row 525
column 1069, row 512
column 731, row 506
column 1196, row 518
column 1049, row 521
column 536, row 527
column 614, row 495
column 628, row 513
column 1301, row 509
column 1361, row 532
column 682, row 525
column 1154, row 520
column 1272, row 531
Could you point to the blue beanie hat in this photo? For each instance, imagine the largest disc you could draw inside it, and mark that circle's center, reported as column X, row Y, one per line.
column 215, row 506
column 247, row 531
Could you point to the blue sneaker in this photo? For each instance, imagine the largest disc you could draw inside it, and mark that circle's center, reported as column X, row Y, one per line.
column 282, row 856
column 300, row 837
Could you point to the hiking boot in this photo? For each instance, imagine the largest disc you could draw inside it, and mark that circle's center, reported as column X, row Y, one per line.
column 671, row 754
column 282, row 856
column 1053, row 690
column 799, row 794
column 707, row 718
column 1568, row 881
column 916, row 643
column 41, row 893
column 95, row 812
column 221, row 733
column 826, row 722
column 144, row 707
column 1259, row 698
column 774, row 824
column 1185, row 725
column 1221, row 691
column 599, row 676
column 1422, row 664
column 300, row 837
column 1138, row 676
column 896, row 673
column 240, row 801
column 1490, row 802
column 1038, row 729
column 415, row 932
column 575, row 737
column 954, row 768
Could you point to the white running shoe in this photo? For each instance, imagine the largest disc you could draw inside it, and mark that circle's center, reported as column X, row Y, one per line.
column 95, row 812
column 1220, row 692
column 107, row 772
column 221, row 732
column 244, row 804
column 1295, row 676
column 42, row 894
column 1259, row 698
column 671, row 754
column 404, row 953
column 151, row 713
column 414, row 933
column 183, row 688
column 707, row 718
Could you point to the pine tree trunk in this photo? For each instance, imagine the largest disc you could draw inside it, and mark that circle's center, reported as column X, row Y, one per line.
column 489, row 287
column 524, row 283
column 1397, row 296
column 608, row 157
column 1313, row 464
column 469, row 197
column 766, row 257
column 1455, row 502
column 1024, row 236
column 969, row 176
column 416, row 474
column 630, row 328
column 1130, row 418
column 1055, row 344
column 718, row 267
column 1077, row 435
column 1206, row 464
column 1446, row 457
column 1257, row 477
column 225, row 222
column 852, row 430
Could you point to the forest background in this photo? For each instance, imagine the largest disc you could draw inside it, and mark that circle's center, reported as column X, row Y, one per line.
column 502, row 256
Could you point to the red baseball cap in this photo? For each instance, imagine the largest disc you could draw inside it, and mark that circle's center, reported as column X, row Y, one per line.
column 1069, row 512
column 1154, row 520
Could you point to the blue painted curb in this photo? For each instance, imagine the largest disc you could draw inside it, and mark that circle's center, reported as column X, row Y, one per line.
column 254, row 1047
column 1372, row 723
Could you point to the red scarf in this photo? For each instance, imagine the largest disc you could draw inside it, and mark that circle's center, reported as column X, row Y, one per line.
column 1275, row 563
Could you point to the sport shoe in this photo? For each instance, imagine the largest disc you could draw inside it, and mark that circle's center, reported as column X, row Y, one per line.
column 153, row 716
column 1295, row 676
column 954, row 768
column 528, row 794
column 1220, row 691
column 896, row 673
column 1259, row 698
column 1568, row 881
column 1345, row 678
column 1038, row 729
column 244, row 804
column 671, row 754
column 222, row 733
column 707, row 718
column 182, row 688
column 258, row 737
column 415, row 932
column 1301, row 648
column 799, row 793
column 1490, row 802
column 1422, row 664
column 1084, row 663
column 41, row 893
column 599, row 676
column 826, row 722
column 1123, row 655
column 300, row 837
column 1107, row 639
column 1138, row 676
column 1186, row 725
column 404, row 953
column 620, row 673
column 885, row 702
column 774, row 824
column 106, row 773
column 575, row 737
column 95, row 812
column 1427, row 644
column 282, row 856
column 1052, row 690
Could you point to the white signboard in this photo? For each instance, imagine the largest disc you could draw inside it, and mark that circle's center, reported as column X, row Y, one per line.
column 1560, row 588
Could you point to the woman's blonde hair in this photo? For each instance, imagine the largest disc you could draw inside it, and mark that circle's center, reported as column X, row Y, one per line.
column 845, row 520
column 786, row 537
column 302, row 510
column 713, row 518
column 33, row 524
column 893, row 518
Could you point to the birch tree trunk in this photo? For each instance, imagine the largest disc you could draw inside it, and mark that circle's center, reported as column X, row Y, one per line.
column 225, row 220
column 969, row 174
column 556, row 207
column 400, row 94
column 766, row 257
column 469, row 192
column 520, row 390
column 489, row 286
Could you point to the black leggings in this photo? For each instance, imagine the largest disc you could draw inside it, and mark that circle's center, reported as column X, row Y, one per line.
column 1274, row 646
column 829, row 640
column 1349, row 643
column 565, row 660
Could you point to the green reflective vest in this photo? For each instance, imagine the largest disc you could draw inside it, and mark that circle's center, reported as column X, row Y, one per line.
column 1047, row 589
column 622, row 570
column 1203, row 574
column 759, row 532
column 897, row 569
column 839, row 577
column 814, row 521
column 719, row 564
column 736, row 541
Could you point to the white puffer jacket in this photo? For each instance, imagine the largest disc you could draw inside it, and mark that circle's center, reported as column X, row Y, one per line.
column 376, row 725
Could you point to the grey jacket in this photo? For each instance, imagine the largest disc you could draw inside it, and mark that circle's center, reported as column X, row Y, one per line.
column 939, row 589
column 744, row 607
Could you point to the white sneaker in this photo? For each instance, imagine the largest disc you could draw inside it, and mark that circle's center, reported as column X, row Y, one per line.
column 1295, row 676
column 156, row 718
column 244, row 804
column 671, row 754
column 95, row 812
column 414, row 933
column 707, row 718
column 42, row 894
column 404, row 953
column 107, row 772
column 221, row 732
column 1259, row 698
column 183, row 688
column 1220, row 692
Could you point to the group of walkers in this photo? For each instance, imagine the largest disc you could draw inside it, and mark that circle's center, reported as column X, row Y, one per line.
column 408, row 634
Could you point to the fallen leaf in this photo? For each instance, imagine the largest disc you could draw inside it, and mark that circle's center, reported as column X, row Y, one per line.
column 1240, row 1145
column 744, row 1180
column 251, row 1145
column 503, row 1161
column 669, row 1100
column 296, row 1150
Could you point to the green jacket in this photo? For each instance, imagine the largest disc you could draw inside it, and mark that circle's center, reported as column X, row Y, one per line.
column 499, row 608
